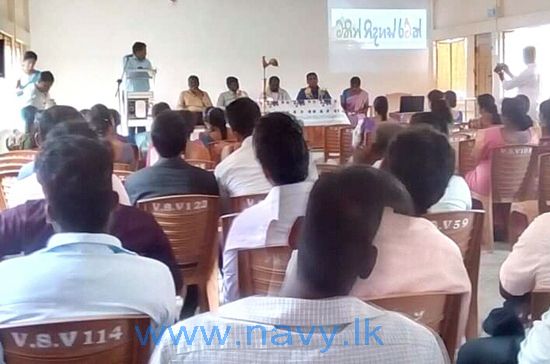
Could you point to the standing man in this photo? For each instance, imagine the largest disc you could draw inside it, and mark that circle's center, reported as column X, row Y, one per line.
column 233, row 94
column 313, row 91
column 274, row 91
column 30, row 75
column 527, row 82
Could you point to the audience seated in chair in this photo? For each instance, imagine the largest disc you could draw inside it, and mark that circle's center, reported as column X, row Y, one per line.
column 545, row 118
column 171, row 175
column 369, row 125
column 216, row 128
column 488, row 113
column 102, row 123
column 376, row 148
column 63, row 120
column 517, row 129
column 283, row 154
column 424, row 161
column 439, row 118
column 335, row 249
column 450, row 98
column 82, row 271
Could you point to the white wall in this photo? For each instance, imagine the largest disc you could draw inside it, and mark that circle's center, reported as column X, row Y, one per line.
column 82, row 42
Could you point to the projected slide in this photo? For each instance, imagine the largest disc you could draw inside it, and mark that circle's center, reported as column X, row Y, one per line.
column 372, row 29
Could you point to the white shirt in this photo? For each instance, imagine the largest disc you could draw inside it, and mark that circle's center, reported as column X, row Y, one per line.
column 228, row 97
column 80, row 275
column 535, row 349
column 35, row 97
column 527, row 267
column 457, row 197
column 528, row 84
column 281, row 95
column 29, row 189
column 267, row 223
column 404, row 341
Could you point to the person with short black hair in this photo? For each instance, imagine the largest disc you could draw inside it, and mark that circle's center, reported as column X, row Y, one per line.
column 29, row 75
column 82, row 271
column 282, row 151
column 274, row 91
column 158, row 108
column 439, row 118
column 516, row 128
column 170, row 175
column 313, row 91
column 234, row 92
column 435, row 95
column 334, row 251
column 527, row 82
column 115, row 116
column 194, row 99
column 451, row 99
column 102, row 123
column 424, row 161
column 39, row 92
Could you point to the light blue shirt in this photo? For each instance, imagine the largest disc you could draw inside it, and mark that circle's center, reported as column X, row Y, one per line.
column 137, row 81
column 83, row 275
column 25, row 171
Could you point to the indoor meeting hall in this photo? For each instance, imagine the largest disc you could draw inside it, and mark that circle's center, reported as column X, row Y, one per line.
column 291, row 181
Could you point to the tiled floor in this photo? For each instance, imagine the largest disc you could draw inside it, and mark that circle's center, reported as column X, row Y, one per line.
column 489, row 296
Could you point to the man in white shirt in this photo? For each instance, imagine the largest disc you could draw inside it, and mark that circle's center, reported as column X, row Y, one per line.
column 314, row 320
column 535, row 349
column 82, row 271
column 274, row 92
column 527, row 82
column 39, row 93
column 283, row 154
column 233, row 94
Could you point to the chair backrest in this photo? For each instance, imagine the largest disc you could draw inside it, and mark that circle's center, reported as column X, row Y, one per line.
column 191, row 224
column 540, row 303
column 439, row 311
column 7, row 179
column 201, row 163
column 122, row 167
column 346, row 144
column 241, row 203
column 510, row 172
column 84, row 341
column 262, row 271
column 466, row 162
column 27, row 155
column 325, row 168
column 544, row 183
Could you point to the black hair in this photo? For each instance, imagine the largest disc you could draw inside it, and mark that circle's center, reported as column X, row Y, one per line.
column 49, row 118
column 311, row 74
column 193, row 77
column 100, row 120
column 281, row 149
column 424, row 161
column 158, row 108
column 545, row 113
column 434, row 95
column 138, row 46
column 513, row 110
column 242, row 115
column 79, row 128
column 274, row 78
column 216, row 117
column 524, row 102
column 383, row 136
column 169, row 134
column 355, row 79
column 29, row 113
column 381, row 107
column 429, row 118
column 75, row 174
column 231, row 79
column 487, row 102
column 115, row 116
column 443, row 114
column 46, row 76
column 30, row 55
column 343, row 214
column 450, row 97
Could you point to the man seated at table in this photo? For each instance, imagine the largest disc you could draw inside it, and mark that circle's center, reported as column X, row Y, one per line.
column 234, row 92
column 274, row 92
column 194, row 100
column 313, row 91
column 280, row 148
column 170, row 175
column 82, row 271
column 314, row 320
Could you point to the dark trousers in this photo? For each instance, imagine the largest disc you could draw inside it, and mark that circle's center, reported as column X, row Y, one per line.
column 490, row 350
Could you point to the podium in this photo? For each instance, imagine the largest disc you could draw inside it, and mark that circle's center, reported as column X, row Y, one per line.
column 137, row 99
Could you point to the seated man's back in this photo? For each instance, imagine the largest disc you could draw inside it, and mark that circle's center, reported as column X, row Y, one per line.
column 83, row 271
column 171, row 175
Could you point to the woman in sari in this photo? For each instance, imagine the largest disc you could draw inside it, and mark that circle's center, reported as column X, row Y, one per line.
column 355, row 101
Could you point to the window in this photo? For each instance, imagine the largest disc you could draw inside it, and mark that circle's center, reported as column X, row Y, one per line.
column 451, row 66
column 13, row 52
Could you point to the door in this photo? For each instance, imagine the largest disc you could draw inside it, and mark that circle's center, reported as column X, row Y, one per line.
column 484, row 64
